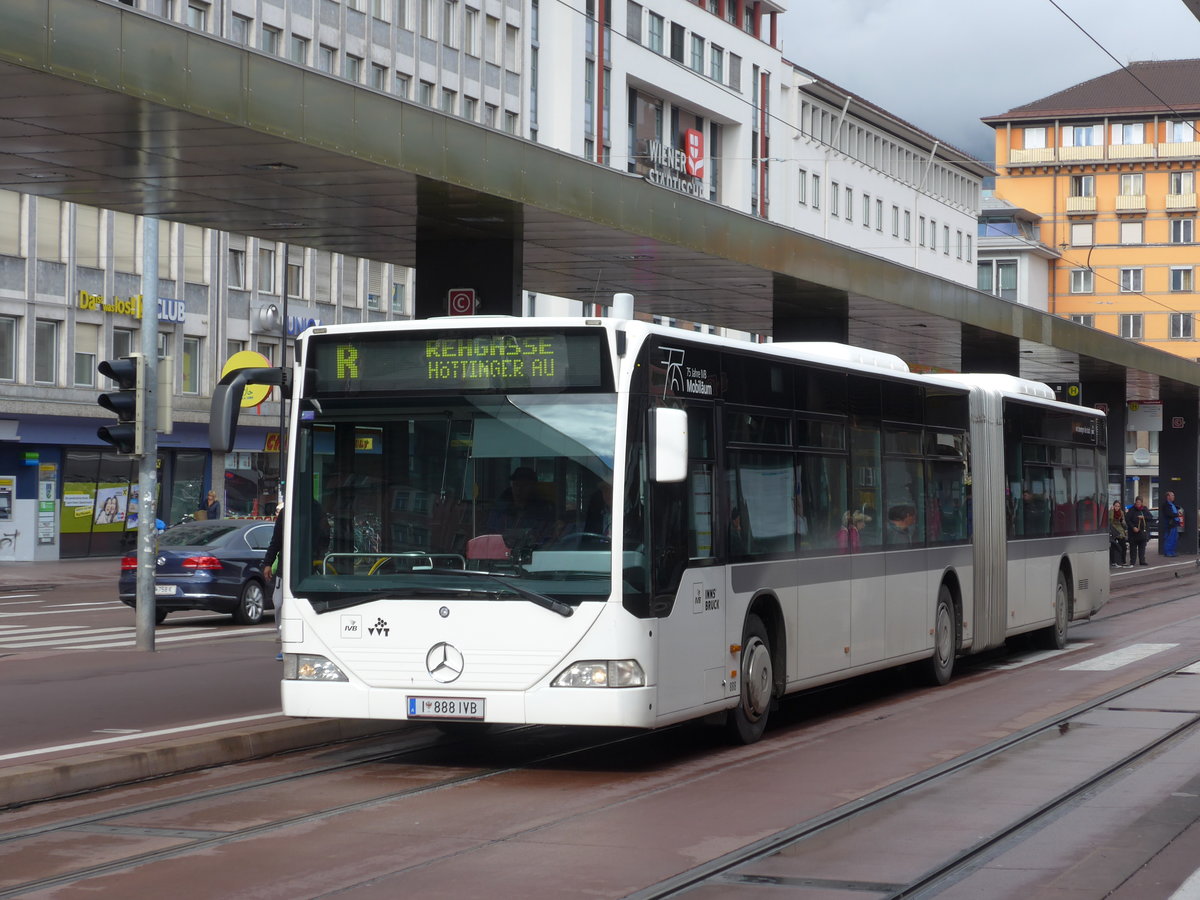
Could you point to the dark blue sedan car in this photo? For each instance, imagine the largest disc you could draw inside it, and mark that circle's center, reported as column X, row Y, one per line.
column 214, row 565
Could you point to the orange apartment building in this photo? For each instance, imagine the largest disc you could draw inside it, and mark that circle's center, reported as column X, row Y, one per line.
column 1110, row 167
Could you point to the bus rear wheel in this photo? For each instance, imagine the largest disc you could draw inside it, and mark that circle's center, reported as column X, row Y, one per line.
column 941, row 665
column 1055, row 637
column 748, row 719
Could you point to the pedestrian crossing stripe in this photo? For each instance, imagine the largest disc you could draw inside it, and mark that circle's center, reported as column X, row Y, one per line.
column 77, row 637
column 1117, row 658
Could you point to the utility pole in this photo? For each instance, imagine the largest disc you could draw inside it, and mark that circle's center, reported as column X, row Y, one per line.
column 147, row 533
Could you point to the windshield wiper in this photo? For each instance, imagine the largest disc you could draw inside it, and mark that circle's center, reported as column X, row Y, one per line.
column 356, row 598
column 563, row 609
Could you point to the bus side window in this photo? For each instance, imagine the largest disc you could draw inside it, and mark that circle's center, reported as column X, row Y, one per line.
column 668, row 540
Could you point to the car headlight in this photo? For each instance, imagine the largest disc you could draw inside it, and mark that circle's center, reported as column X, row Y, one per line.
column 306, row 667
column 602, row 673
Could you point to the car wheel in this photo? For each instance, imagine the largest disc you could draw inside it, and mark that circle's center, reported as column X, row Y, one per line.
column 250, row 605
column 160, row 616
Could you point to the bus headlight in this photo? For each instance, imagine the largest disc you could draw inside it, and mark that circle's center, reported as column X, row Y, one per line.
column 303, row 667
column 602, row 673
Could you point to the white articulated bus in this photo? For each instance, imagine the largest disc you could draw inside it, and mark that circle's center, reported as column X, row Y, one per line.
column 607, row 522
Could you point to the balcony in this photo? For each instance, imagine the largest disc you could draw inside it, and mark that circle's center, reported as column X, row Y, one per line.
column 1179, row 150
column 1079, row 205
column 1130, row 151
column 1075, row 154
column 1034, row 155
column 1129, row 203
column 1181, row 201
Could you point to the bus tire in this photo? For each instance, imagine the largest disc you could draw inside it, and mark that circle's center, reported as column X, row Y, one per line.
column 1055, row 637
column 940, row 666
column 747, row 721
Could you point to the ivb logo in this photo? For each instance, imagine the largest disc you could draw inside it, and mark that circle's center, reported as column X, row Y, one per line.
column 693, row 148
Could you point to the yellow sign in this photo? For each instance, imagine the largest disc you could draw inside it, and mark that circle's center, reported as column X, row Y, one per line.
column 248, row 359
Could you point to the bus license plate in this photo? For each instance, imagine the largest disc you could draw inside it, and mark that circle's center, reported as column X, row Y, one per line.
column 445, row 707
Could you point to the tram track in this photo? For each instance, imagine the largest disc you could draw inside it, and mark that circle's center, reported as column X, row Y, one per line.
column 200, row 843
column 723, row 870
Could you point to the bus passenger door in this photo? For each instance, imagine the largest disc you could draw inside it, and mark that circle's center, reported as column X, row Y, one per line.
column 688, row 591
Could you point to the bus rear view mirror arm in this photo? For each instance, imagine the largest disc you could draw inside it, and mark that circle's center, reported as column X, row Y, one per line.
column 227, row 402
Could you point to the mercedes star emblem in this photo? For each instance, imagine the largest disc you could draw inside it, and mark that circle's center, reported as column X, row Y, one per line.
column 444, row 662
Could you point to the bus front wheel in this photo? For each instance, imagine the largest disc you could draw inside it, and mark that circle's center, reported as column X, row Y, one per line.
column 941, row 664
column 748, row 719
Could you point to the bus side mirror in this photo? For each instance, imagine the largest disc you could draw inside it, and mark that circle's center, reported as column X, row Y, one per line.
column 670, row 445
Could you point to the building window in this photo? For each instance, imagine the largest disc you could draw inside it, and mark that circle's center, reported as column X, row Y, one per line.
column 908, row 226
column 946, row 239
column 8, row 348
column 1128, row 133
column 402, row 83
column 470, row 108
column 849, row 204
column 266, row 271
column 866, row 210
column 1181, row 279
column 1084, row 319
column 379, row 77
column 835, row 198
column 45, row 352
column 1131, row 326
column 197, row 16
column 239, row 29
column 1182, row 183
column 1081, row 234
column 351, row 67
column 295, row 280
column 425, row 93
column 716, row 64
column 298, row 50
column 677, row 34
column 1179, row 132
column 87, row 347
column 1083, row 136
column 1131, row 232
column 123, row 342
column 1182, row 231
column 191, row 365
column 326, row 59
column 878, row 214
column 895, row 221
column 449, row 22
column 998, row 277
column 816, row 191
column 933, row 234
column 237, row 268
column 633, row 22
column 1082, row 281
column 1083, row 186
column 379, row 9
column 1181, row 326
column 471, row 31
column 1035, row 138
column 656, row 32
column 1132, row 184
column 510, row 122
column 1131, row 281
column 448, row 98
column 269, row 42
column 802, row 193
column 921, row 231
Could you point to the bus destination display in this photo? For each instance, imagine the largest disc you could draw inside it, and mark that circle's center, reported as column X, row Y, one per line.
column 460, row 361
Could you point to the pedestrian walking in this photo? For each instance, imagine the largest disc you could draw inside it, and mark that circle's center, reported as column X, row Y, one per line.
column 1169, row 521
column 1118, row 537
column 1138, row 520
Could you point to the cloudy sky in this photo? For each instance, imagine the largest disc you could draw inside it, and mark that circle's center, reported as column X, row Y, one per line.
column 942, row 64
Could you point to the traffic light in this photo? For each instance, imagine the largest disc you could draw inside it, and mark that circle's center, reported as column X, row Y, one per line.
column 129, row 403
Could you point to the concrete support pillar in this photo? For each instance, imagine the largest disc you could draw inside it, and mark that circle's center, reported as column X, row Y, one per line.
column 1179, row 459
column 491, row 266
column 808, row 312
column 1110, row 397
column 987, row 351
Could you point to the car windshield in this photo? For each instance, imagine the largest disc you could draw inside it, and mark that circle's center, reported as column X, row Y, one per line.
column 407, row 496
column 196, row 534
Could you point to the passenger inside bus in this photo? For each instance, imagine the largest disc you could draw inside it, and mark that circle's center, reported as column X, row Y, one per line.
column 521, row 514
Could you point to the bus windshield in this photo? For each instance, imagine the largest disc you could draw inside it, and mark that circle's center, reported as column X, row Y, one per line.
column 500, row 496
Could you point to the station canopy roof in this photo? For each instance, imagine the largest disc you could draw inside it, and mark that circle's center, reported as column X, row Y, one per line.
column 105, row 106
